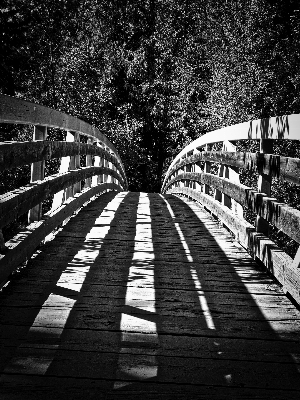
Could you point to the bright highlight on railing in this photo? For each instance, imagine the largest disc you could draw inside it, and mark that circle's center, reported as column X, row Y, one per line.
column 89, row 166
column 201, row 295
column 135, row 361
column 192, row 173
column 52, row 318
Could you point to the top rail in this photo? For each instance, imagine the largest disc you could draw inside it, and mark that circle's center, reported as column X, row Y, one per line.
column 281, row 127
column 18, row 111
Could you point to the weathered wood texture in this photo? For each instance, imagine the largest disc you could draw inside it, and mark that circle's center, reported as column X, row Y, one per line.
column 22, row 246
column 280, row 127
column 19, row 201
column 18, row 111
column 179, row 312
column 279, row 214
column 17, row 154
column 37, row 173
column 285, row 168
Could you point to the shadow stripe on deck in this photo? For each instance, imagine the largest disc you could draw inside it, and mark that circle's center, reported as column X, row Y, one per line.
column 145, row 296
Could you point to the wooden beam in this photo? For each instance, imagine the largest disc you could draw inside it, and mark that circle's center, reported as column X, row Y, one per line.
column 17, row 202
column 279, row 214
column 17, row 154
column 284, row 168
column 18, row 111
column 264, row 186
column 206, row 170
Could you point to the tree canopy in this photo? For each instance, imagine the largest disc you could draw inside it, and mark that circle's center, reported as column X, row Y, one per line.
column 153, row 75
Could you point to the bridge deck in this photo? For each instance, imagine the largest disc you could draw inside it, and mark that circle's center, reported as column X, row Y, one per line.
column 145, row 297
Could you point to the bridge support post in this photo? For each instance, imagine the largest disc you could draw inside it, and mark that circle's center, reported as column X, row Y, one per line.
column 37, row 173
column 207, row 166
column 264, row 186
column 232, row 174
column 113, row 168
column 75, row 161
column 96, row 179
column 106, row 164
column 89, row 163
column 66, row 164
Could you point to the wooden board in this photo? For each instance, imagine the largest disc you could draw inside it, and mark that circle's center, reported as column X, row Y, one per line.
column 102, row 312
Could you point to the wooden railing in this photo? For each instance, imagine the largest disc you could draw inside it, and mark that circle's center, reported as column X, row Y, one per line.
column 103, row 171
column 227, row 199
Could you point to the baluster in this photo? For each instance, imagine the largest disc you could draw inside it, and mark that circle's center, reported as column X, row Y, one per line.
column 66, row 164
column 207, row 166
column 77, row 185
column 264, row 186
column 196, row 169
column 232, row 174
column 181, row 171
column 37, row 173
column 113, row 168
column 101, row 177
column 97, row 163
column 187, row 168
column 89, row 163
column 106, row 164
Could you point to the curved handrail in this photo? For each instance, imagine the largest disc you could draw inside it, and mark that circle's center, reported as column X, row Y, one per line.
column 106, row 173
column 281, row 127
column 18, row 111
column 225, row 197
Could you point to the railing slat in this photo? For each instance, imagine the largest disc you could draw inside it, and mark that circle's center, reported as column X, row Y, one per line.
column 37, row 173
column 264, row 186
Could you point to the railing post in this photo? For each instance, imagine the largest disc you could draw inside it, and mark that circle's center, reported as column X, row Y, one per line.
column 37, row 173
column 207, row 166
column 75, row 161
column 89, row 163
column 113, row 168
column 264, row 185
column 66, row 164
column 197, row 168
column 97, row 163
column 232, row 174
column 101, row 177
column 106, row 164
column 182, row 171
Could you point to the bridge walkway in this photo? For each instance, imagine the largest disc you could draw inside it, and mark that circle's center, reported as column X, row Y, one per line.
column 144, row 296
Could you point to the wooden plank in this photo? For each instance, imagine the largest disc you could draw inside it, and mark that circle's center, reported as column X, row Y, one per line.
column 253, row 352
column 17, row 154
column 18, row 111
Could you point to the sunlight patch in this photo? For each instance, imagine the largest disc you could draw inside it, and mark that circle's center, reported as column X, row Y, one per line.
column 137, row 324
column 201, row 295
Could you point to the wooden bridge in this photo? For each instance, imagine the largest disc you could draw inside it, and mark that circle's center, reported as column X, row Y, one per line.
column 113, row 294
